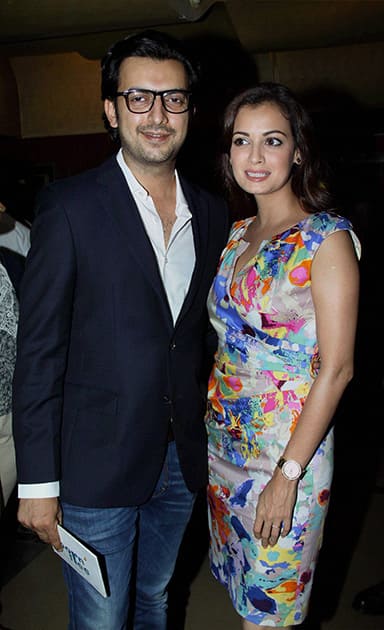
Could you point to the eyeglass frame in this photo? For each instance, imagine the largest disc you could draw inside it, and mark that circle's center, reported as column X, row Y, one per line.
column 155, row 93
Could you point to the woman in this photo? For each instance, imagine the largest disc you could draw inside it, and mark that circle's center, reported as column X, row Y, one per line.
column 286, row 292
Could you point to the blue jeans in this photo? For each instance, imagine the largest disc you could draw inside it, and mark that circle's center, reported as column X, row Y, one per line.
column 141, row 541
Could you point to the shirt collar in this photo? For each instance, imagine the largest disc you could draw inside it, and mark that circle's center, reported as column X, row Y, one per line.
column 139, row 191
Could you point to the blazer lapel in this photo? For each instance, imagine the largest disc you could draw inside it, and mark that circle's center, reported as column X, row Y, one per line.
column 121, row 206
column 200, row 236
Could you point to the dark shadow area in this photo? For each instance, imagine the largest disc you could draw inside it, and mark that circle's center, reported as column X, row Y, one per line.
column 18, row 546
column 226, row 69
column 192, row 553
column 26, row 165
column 351, row 140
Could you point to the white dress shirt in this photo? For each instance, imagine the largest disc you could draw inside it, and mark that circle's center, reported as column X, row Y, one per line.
column 177, row 260
column 14, row 235
column 176, row 263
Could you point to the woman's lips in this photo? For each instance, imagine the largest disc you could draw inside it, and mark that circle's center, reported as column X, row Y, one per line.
column 257, row 175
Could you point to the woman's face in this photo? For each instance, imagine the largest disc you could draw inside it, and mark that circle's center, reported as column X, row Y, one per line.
column 263, row 149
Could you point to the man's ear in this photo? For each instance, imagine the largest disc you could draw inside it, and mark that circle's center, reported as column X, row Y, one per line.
column 110, row 112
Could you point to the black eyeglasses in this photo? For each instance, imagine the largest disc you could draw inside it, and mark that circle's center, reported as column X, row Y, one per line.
column 141, row 101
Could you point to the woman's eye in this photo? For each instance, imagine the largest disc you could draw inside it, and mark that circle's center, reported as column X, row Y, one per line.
column 273, row 142
column 238, row 142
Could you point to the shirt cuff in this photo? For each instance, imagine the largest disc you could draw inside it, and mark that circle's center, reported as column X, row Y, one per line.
column 39, row 490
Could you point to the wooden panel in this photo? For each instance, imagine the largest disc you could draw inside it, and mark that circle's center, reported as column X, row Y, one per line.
column 9, row 104
column 59, row 95
column 348, row 72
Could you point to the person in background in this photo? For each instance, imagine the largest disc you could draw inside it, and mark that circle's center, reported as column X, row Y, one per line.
column 113, row 344
column 9, row 312
column 14, row 235
column 286, row 292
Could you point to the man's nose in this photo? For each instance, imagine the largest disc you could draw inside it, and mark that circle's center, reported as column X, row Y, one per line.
column 158, row 113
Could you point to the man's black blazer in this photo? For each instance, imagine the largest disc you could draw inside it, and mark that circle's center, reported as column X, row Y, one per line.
column 100, row 366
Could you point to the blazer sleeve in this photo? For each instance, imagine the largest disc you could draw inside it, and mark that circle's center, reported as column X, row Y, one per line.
column 42, row 344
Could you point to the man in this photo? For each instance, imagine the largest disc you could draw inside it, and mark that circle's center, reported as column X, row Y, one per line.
column 110, row 379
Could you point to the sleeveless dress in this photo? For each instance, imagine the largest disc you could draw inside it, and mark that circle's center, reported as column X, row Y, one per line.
column 263, row 371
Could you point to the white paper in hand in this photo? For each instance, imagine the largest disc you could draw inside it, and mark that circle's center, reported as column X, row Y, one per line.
column 81, row 559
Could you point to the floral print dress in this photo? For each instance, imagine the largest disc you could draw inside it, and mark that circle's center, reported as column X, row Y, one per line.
column 264, row 368
column 9, row 313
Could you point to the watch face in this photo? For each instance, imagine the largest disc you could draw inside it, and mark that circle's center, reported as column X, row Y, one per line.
column 291, row 469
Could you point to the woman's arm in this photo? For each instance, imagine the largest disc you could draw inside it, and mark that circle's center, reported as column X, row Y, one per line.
column 335, row 292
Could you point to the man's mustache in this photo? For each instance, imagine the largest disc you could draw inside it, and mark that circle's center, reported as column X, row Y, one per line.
column 157, row 129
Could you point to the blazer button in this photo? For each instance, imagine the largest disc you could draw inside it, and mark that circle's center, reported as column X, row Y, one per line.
column 173, row 345
column 166, row 399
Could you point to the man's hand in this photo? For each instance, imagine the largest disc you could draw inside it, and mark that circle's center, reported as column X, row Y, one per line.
column 42, row 516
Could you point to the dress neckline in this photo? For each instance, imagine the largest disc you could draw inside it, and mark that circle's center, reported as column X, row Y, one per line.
column 263, row 243
column 250, row 220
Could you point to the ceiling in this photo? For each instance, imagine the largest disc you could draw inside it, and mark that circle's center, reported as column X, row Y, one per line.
column 89, row 26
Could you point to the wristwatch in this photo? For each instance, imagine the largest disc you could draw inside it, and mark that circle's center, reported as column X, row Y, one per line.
column 290, row 469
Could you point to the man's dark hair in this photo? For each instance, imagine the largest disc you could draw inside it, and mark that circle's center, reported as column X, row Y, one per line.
column 150, row 44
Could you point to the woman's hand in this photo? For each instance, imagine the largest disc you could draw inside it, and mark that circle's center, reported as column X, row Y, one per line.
column 275, row 509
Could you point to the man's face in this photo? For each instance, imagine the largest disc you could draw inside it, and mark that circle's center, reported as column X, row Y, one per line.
column 155, row 137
